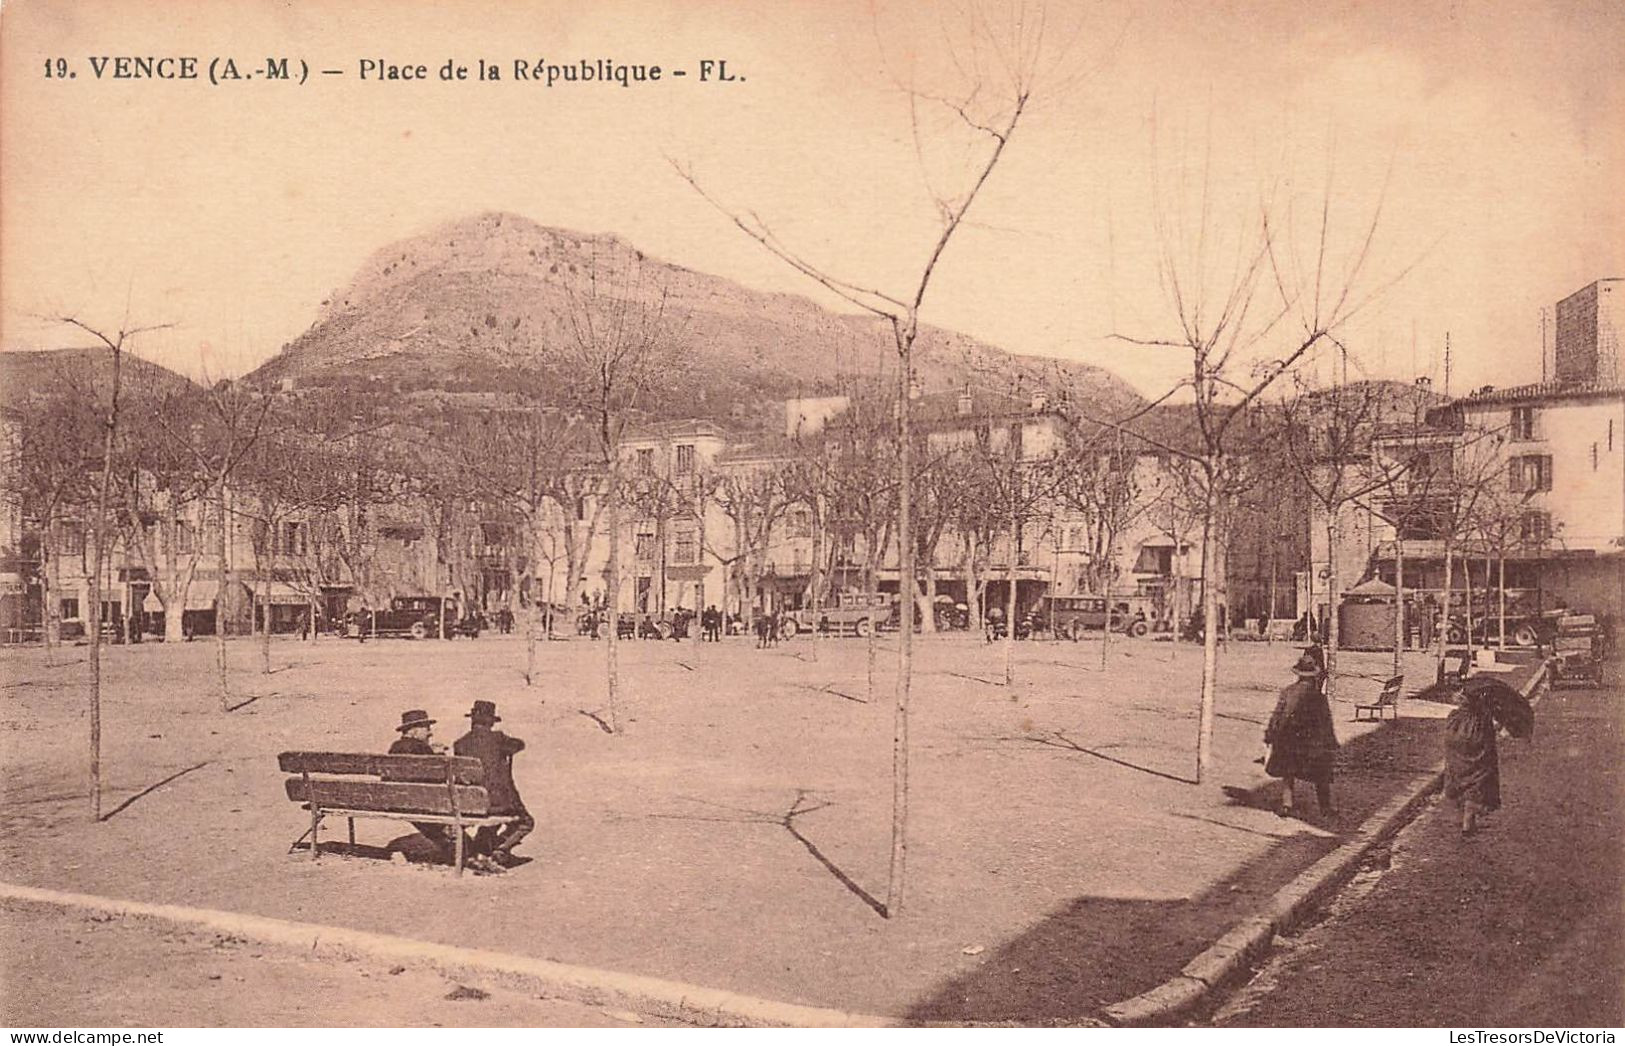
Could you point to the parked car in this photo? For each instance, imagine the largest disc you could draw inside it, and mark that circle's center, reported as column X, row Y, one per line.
column 413, row 617
column 854, row 614
column 1075, row 615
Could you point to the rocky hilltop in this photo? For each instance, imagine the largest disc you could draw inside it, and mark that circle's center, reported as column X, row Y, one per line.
column 479, row 308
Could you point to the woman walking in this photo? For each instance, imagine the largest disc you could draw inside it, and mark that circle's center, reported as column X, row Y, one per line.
column 1302, row 742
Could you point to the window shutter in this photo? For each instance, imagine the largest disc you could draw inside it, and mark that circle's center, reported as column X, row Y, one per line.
column 1545, row 472
column 1514, row 474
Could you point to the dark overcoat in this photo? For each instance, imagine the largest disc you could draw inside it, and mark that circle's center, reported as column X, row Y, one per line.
column 1472, row 764
column 1302, row 742
column 495, row 750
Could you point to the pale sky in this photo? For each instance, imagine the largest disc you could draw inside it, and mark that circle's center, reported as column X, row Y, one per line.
column 232, row 211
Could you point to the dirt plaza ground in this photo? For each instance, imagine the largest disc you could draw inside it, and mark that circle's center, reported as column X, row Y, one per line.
column 736, row 834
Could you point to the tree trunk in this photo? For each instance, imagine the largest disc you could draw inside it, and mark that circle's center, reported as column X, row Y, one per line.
column 1334, row 530
column 1444, row 614
column 905, row 645
column 265, row 623
column 1210, row 638
column 1010, row 600
column 613, row 600
column 95, row 619
column 221, row 587
column 50, row 611
column 1106, row 587
column 973, row 591
column 1400, row 628
column 1503, row 598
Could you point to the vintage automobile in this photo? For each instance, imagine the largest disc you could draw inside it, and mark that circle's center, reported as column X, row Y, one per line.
column 413, row 617
column 854, row 614
column 1075, row 615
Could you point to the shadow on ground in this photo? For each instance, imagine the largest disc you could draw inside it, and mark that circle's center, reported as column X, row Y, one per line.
column 1096, row 951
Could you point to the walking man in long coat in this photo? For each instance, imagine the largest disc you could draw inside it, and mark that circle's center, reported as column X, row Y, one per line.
column 1302, row 742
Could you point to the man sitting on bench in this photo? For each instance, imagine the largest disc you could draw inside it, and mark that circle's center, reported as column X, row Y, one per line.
column 493, row 846
column 415, row 730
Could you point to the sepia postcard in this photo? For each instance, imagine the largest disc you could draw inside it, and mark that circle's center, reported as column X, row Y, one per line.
column 812, row 514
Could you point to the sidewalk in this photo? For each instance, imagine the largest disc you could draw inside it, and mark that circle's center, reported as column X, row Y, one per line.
column 1523, row 925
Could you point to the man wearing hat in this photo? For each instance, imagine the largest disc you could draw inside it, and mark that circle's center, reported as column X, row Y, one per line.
column 495, row 750
column 1302, row 742
column 415, row 730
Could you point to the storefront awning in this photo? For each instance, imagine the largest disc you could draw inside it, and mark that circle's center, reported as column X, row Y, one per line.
column 200, row 595
column 280, row 594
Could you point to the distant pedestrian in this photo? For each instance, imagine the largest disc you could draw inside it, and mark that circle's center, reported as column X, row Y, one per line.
column 1303, row 743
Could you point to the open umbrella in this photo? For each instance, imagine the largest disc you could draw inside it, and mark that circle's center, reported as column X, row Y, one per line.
column 1510, row 709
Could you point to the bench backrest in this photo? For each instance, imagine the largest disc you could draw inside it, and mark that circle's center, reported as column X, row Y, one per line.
column 462, row 769
column 430, row 784
column 1390, row 690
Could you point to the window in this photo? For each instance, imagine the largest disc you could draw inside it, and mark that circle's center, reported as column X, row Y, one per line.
column 646, row 462
column 71, row 538
column 1015, row 441
column 185, row 537
column 798, row 524
column 292, row 539
column 1529, row 473
column 685, row 546
column 685, row 458
column 581, row 510
column 1523, row 423
column 644, row 544
column 1535, row 527
column 70, row 610
column 1076, row 539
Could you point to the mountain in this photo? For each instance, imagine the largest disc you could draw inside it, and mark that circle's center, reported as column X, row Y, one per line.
column 26, row 372
column 479, row 308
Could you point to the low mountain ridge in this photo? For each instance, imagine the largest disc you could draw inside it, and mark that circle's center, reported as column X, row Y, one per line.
column 478, row 309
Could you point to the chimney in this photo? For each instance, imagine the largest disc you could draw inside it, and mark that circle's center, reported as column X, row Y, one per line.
column 1424, row 382
column 965, row 402
column 1040, row 400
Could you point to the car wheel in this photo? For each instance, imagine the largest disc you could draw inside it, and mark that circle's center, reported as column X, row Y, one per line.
column 1138, row 629
column 419, row 630
column 865, row 626
column 1456, row 634
column 788, row 628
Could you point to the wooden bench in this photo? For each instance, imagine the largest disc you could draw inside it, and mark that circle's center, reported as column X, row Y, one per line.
column 431, row 789
column 1387, row 700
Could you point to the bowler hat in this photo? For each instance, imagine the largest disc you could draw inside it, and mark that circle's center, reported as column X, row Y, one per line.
column 484, row 711
column 1312, row 663
column 416, row 717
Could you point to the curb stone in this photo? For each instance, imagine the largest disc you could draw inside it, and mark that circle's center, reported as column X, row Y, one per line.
column 673, row 1000
column 1230, row 957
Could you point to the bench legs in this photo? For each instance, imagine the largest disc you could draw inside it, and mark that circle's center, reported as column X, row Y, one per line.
column 352, row 833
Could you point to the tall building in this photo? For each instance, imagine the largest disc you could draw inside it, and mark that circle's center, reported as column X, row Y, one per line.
column 1587, row 346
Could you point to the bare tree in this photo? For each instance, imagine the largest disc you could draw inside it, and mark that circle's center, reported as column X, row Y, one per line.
column 47, row 472
column 1248, row 303
column 115, row 343
column 994, row 68
column 1095, row 478
column 1325, row 439
column 620, row 342
column 218, row 429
